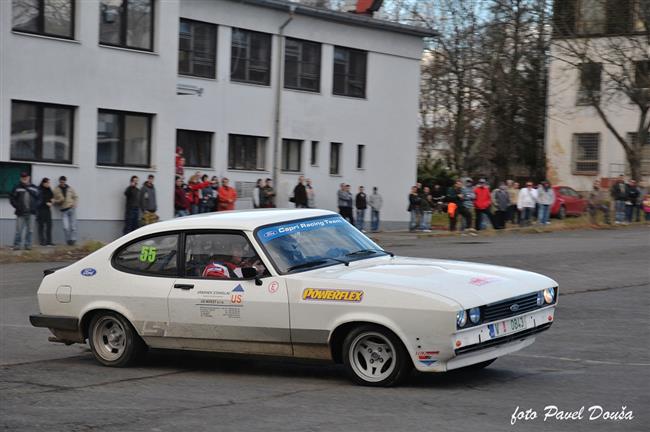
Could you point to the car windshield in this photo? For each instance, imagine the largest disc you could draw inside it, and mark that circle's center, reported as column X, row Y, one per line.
column 305, row 244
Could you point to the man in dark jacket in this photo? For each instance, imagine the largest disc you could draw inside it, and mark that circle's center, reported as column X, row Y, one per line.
column 344, row 197
column 132, row 213
column 619, row 195
column 300, row 193
column 44, row 213
column 181, row 204
column 25, row 198
column 148, row 202
column 414, row 208
column 632, row 202
column 456, row 198
column 361, row 203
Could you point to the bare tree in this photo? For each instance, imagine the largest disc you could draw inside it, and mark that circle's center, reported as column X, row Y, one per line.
column 621, row 60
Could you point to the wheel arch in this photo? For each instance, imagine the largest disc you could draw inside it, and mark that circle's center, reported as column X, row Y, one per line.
column 92, row 310
column 337, row 336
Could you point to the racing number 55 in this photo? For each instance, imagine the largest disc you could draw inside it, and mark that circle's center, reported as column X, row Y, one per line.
column 148, row 254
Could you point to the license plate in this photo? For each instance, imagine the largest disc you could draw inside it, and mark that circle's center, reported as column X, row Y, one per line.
column 506, row 327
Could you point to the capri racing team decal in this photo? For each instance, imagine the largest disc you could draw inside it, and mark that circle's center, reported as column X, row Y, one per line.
column 338, row 295
column 267, row 234
column 427, row 358
column 225, row 304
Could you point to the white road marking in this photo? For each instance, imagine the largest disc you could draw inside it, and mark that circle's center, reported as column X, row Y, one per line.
column 582, row 360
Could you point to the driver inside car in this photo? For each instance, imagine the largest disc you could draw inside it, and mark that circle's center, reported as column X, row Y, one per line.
column 227, row 268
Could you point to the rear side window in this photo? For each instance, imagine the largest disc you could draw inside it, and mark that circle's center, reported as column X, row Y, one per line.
column 152, row 256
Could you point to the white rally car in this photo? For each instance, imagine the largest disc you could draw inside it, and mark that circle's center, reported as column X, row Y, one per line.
column 295, row 283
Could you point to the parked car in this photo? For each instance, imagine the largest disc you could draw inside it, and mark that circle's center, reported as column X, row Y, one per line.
column 568, row 202
column 296, row 283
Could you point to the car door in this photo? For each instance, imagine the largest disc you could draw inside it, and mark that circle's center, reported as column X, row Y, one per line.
column 213, row 308
column 573, row 201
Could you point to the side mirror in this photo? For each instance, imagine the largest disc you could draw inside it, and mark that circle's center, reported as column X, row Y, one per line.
column 251, row 273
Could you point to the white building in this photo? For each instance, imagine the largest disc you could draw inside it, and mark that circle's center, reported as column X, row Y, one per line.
column 596, row 42
column 99, row 90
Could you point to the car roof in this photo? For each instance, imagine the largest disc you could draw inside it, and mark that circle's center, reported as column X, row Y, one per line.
column 246, row 220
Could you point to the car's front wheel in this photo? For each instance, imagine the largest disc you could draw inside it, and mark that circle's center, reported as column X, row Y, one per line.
column 113, row 340
column 374, row 356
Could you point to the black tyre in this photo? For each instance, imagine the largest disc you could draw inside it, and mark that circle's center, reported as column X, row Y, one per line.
column 561, row 214
column 113, row 341
column 374, row 356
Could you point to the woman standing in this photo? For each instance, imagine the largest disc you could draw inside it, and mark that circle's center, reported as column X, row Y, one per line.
column 44, row 213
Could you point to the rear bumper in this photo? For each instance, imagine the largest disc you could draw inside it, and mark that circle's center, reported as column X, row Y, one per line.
column 65, row 329
column 54, row 322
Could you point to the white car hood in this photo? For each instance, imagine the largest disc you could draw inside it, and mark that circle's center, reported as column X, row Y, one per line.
column 469, row 284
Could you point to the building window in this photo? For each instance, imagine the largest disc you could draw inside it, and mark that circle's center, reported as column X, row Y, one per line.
column 335, row 158
column 302, row 65
column 197, row 147
column 591, row 17
column 197, row 49
column 250, row 57
column 246, row 152
column 41, row 132
column 350, row 72
column 361, row 156
column 642, row 74
column 314, row 154
column 641, row 17
column 291, row 155
column 586, row 153
column 127, row 23
column 45, row 17
column 590, row 79
column 123, row 139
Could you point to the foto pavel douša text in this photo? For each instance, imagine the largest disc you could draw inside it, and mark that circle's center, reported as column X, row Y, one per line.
column 553, row 413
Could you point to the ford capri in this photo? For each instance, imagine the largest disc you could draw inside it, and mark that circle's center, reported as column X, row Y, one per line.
column 300, row 283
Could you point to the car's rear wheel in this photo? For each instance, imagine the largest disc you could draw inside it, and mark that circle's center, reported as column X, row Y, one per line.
column 561, row 214
column 113, row 340
column 374, row 356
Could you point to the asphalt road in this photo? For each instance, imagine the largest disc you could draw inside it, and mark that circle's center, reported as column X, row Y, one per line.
column 596, row 354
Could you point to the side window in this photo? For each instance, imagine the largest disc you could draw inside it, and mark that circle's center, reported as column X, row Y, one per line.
column 152, row 256
column 219, row 256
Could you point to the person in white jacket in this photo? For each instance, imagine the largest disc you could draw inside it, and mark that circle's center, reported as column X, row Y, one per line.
column 545, row 199
column 526, row 202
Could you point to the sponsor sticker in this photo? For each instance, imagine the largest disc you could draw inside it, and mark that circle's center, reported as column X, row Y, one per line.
column 273, row 287
column 480, row 281
column 267, row 234
column 427, row 358
column 332, row 295
column 88, row 272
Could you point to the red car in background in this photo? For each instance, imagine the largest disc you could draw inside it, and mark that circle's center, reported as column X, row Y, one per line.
column 568, row 202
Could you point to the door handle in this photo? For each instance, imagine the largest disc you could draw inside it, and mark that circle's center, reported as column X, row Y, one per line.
column 184, row 286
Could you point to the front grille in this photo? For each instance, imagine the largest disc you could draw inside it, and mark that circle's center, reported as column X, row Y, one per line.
column 502, row 309
column 503, row 340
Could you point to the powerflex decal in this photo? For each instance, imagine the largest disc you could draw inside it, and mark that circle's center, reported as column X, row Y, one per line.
column 320, row 294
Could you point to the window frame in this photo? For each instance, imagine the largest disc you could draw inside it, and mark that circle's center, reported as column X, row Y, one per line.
column 339, row 151
column 265, row 142
column 41, row 22
column 300, row 62
column 199, row 231
column 583, row 96
column 574, row 155
column 313, row 156
column 121, row 148
column 286, row 144
column 209, row 156
column 346, row 75
column 123, row 29
column 39, row 130
column 361, row 156
column 247, row 59
column 179, row 239
column 215, row 28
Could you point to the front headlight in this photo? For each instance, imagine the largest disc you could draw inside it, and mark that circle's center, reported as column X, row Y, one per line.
column 549, row 295
column 461, row 318
column 475, row 315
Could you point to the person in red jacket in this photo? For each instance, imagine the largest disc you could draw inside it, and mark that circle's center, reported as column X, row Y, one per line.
column 194, row 195
column 227, row 196
column 181, row 204
column 482, row 203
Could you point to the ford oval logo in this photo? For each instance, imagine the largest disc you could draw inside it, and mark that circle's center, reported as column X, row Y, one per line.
column 514, row 307
column 270, row 234
column 88, row 272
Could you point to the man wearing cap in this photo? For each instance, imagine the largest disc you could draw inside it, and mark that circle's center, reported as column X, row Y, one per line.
column 66, row 199
column 25, row 198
